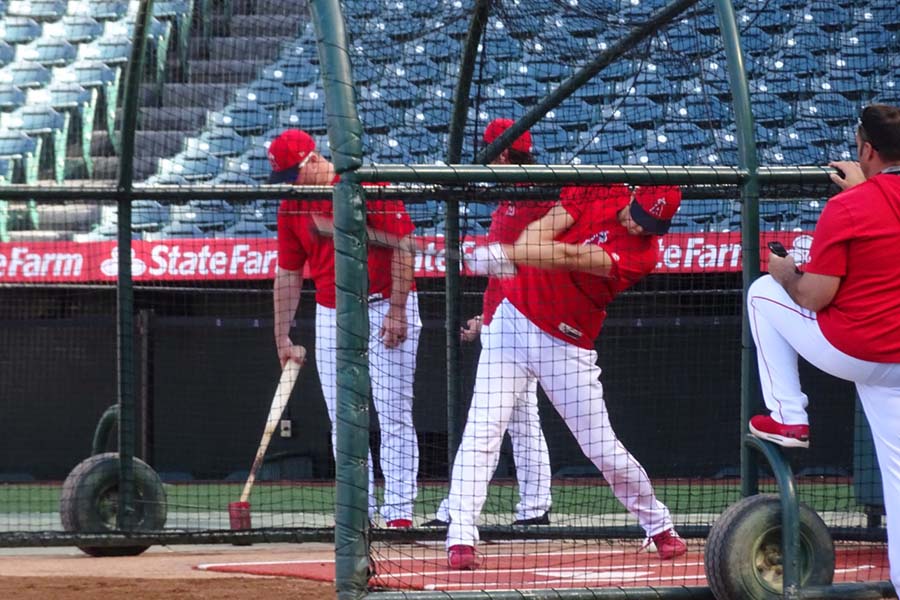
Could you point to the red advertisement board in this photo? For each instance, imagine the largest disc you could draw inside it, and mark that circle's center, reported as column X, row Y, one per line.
column 248, row 259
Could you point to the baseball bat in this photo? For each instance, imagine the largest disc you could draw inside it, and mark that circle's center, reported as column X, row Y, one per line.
column 279, row 401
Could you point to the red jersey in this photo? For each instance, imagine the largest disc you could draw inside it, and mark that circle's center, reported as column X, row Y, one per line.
column 571, row 305
column 300, row 244
column 508, row 221
column 856, row 239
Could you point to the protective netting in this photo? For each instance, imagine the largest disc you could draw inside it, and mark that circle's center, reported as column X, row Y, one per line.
column 223, row 78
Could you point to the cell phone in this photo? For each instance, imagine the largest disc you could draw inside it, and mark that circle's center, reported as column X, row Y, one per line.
column 778, row 249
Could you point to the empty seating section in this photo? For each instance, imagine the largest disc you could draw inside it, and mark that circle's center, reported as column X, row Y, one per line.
column 223, row 77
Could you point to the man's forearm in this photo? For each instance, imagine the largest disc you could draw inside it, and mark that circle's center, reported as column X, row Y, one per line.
column 286, row 295
column 402, row 273
column 549, row 254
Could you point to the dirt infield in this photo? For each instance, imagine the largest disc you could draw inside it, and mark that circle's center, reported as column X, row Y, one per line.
column 163, row 572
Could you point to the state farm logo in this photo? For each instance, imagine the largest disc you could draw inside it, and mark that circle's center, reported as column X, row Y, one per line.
column 110, row 266
column 239, row 260
column 22, row 263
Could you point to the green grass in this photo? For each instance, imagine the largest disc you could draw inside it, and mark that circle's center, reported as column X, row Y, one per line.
column 567, row 499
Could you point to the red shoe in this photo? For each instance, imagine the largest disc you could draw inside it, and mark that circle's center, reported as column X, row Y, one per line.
column 399, row 523
column 789, row 436
column 668, row 544
column 462, row 558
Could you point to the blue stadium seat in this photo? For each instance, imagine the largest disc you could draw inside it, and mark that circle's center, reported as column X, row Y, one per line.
column 99, row 76
column 827, row 16
column 48, row 52
column 292, row 72
column 310, row 118
column 81, row 104
column 206, row 215
column 809, row 36
column 11, row 97
column 398, row 92
column 418, row 142
column 260, row 211
column 146, row 215
column 834, row 109
column 525, row 90
column 193, row 164
column 253, row 166
column 433, row 115
column 177, row 230
column 773, row 21
column 221, row 142
column 245, row 117
column 365, row 72
column 247, row 229
column 779, row 215
column 19, row 30
column 756, row 42
column 114, row 51
column 24, row 152
column 268, row 93
column 798, row 62
column 385, row 149
column 39, row 10
column 374, row 117
column 101, row 10
column 7, row 54
column 686, row 135
column 42, row 121
column 503, row 48
column 227, row 177
column 546, row 70
column 75, row 29
column 572, row 115
column 770, row 110
column 810, row 210
column 25, row 74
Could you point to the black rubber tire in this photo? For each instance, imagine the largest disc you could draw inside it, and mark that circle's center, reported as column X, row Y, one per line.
column 743, row 551
column 88, row 503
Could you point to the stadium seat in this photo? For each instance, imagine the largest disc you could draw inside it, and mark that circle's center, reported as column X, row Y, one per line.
column 42, row 121
column 268, row 93
column 546, row 70
column 75, row 29
column 374, row 117
column 95, row 75
column 7, row 54
column 227, row 177
column 39, row 10
column 848, row 84
column 166, row 179
column 809, row 36
column 779, row 215
column 19, row 30
column 397, row 91
column 870, row 36
column 146, row 215
column 245, row 117
column 810, row 210
column 81, row 104
column 253, row 166
column 11, row 97
column 293, row 72
column 193, row 164
column 25, row 74
column 615, row 134
column 206, row 215
column 114, row 51
column 433, row 115
column 220, row 142
column 525, row 90
column 769, row 110
column 827, row 16
column 23, row 152
column 755, row 41
column 419, row 71
column 48, row 52
column 385, row 149
column 310, row 118
column 246, row 229
column 834, row 109
column 101, row 10
column 177, row 230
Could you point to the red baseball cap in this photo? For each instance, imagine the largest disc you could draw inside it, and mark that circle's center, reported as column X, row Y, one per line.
column 654, row 206
column 498, row 126
column 288, row 153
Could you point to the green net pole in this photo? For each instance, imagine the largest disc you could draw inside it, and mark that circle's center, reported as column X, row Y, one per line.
column 125, row 288
column 351, row 278
column 452, row 313
column 748, row 162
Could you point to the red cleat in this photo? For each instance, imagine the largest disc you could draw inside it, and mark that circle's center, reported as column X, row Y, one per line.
column 669, row 545
column 462, row 558
column 789, row 436
column 399, row 524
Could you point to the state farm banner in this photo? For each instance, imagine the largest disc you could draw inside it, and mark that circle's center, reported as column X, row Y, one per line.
column 241, row 259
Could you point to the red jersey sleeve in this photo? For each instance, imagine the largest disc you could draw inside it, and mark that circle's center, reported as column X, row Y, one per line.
column 389, row 216
column 830, row 247
column 291, row 253
column 572, row 199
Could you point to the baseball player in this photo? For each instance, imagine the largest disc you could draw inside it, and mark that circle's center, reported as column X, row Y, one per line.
column 393, row 312
column 530, row 454
column 560, row 275
column 842, row 312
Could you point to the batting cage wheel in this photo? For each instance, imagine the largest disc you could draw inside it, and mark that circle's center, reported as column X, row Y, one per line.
column 89, row 501
column 743, row 557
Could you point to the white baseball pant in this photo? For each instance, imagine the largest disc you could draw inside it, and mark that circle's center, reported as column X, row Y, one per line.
column 782, row 330
column 391, row 371
column 530, row 455
column 513, row 349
